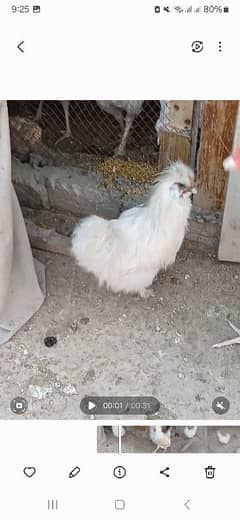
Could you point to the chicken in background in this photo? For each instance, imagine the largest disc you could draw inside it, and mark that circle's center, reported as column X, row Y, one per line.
column 162, row 122
column 65, row 105
column 117, row 430
column 115, row 108
column 127, row 253
column 190, row 431
column 161, row 436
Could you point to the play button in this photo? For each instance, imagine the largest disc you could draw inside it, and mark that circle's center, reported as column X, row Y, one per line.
column 91, row 405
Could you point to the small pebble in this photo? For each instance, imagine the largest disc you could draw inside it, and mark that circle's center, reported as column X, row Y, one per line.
column 74, row 326
column 180, row 375
column 158, row 328
column 187, row 276
column 84, row 321
column 161, row 354
column 50, row 341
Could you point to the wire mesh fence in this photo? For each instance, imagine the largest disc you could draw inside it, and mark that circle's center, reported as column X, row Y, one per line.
column 94, row 129
column 87, row 133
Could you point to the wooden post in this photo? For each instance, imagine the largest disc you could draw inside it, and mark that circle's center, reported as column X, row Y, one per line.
column 173, row 147
column 217, row 130
column 175, row 141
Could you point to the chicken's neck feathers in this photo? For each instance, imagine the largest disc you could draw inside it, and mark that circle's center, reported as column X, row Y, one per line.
column 163, row 203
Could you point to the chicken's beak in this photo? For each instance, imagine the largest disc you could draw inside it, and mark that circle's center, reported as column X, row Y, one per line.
column 193, row 187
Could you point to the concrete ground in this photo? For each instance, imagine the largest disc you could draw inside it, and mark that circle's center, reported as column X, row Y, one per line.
column 121, row 345
column 136, row 440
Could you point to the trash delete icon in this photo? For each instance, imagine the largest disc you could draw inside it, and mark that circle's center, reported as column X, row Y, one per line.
column 210, row 472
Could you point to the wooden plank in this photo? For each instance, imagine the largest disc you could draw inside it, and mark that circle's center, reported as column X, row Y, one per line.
column 173, row 147
column 181, row 115
column 217, row 131
column 229, row 246
column 175, row 141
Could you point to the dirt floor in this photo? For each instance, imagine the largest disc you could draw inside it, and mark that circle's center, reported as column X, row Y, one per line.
column 121, row 345
column 136, row 440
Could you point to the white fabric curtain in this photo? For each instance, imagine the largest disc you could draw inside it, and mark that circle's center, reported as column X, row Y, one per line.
column 22, row 280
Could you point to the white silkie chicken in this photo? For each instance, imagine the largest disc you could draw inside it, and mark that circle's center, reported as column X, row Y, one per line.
column 161, row 437
column 127, row 253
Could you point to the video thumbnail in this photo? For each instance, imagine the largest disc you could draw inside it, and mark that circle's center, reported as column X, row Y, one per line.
column 169, row 439
column 131, row 284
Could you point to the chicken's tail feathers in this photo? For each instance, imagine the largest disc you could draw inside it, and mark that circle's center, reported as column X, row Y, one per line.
column 87, row 237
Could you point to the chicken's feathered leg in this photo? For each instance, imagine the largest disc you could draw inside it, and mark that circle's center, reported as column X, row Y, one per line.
column 234, row 341
column 39, row 111
column 121, row 150
column 68, row 132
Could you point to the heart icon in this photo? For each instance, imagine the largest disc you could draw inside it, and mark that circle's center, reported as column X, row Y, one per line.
column 29, row 471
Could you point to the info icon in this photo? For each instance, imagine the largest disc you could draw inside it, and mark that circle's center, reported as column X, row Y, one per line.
column 19, row 405
column 220, row 405
column 119, row 472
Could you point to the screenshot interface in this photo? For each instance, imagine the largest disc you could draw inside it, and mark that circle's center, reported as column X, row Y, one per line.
column 119, row 259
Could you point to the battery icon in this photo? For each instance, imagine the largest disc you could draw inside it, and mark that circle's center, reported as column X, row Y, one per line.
column 36, row 9
column 226, row 9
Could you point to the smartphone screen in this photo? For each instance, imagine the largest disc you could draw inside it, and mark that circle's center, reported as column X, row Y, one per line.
column 119, row 259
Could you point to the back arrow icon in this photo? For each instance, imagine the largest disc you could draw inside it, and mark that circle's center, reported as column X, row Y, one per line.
column 20, row 46
column 187, row 504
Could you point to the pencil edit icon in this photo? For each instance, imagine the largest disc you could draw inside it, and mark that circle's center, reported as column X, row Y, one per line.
column 74, row 472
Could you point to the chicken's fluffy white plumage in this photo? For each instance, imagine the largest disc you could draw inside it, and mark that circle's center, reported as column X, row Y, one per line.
column 127, row 253
column 159, row 437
